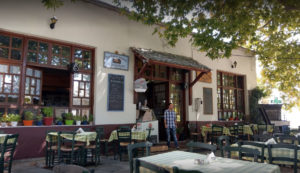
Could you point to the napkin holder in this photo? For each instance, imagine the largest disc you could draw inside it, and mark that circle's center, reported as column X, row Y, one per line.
column 80, row 130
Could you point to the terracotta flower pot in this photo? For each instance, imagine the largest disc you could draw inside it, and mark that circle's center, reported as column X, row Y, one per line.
column 27, row 122
column 48, row 121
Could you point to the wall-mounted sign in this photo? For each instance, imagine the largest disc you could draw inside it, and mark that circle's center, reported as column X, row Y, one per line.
column 205, row 78
column 115, row 94
column 116, row 61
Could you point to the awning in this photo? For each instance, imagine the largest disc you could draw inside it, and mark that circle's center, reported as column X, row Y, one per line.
column 168, row 59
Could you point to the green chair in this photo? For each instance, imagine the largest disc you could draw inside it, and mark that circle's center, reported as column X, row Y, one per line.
column 230, row 149
column 133, row 150
column 195, row 146
column 149, row 134
column 104, row 142
column 286, row 139
column 68, row 152
column 259, row 146
column 7, row 152
column 221, row 141
column 248, row 152
column 124, row 139
column 157, row 169
column 51, row 149
column 93, row 151
column 215, row 133
column 291, row 147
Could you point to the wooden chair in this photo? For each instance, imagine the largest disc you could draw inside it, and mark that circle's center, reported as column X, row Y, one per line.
column 157, row 169
column 93, row 151
column 51, row 150
column 104, row 142
column 261, row 149
column 249, row 152
column 194, row 146
column 7, row 152
column 216, row 132
column 133, row 150
column 124, row 139
column 69, row 153
column 230, row 149
column 286, row 139
column 261, row 128
column 294, row 148
column 221, row 141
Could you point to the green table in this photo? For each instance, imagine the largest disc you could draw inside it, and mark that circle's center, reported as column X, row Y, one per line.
column 136, row 135
column 86, row 137
column 185, row 160
column 275, row 152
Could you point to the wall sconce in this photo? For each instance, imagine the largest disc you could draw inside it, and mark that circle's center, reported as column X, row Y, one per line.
column 234, row 64
column 53, row 22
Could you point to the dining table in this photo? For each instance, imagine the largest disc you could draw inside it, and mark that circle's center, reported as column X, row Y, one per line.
column 186, row 161
column 135, row 135
column 86, row 137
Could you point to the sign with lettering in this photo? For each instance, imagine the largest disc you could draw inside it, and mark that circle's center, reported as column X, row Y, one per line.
column 116, row 61
column 115, row 100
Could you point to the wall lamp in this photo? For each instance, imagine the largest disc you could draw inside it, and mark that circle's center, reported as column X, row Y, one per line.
column 53, row 21
column 234, row 64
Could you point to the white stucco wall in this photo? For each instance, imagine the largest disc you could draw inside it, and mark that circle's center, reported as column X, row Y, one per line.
column 105, row 30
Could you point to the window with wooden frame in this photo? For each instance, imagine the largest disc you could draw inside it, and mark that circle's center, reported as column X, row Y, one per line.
column 11, row 47
column 9, row 83
column 61, row 55
column 83, row 58
column 37, row 52
column 81, row 89
column 33, row 85
column 230, row 96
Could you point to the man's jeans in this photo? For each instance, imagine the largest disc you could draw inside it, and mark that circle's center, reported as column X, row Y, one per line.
column 173, row 132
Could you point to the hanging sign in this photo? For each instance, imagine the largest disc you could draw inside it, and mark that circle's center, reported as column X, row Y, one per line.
column 116, row 61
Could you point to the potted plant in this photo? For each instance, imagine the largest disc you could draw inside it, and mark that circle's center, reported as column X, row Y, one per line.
column 78, row 118
column 4, row 120
column 39, row 119
column 14, row 119
column 28, row 118
column 69, row 118
column 48, row 113
column 91, row 119
column 84, row 120
column 59, row 121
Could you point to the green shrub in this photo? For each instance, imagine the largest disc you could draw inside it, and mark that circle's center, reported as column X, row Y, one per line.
column 69, row 116
column 48, row 111
column 28, row 115
column 77, row 118
column 39, row 117
column 13, row 117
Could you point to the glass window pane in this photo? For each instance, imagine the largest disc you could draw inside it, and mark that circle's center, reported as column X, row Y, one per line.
column 38, row 86
column 86, row 64
column 36, row 100
column 2, row 98
column 56, row 49
column 81, row 85
column 85, row 102
column 16, row 84
column 79, row 63
column 81, row 93
column 7, row 88
column 27, row 85
column 17, row 43
column 3, row 68
column 66, row 52
column 1, row 82
column 85, row 112
column 76, row 101
column 43, row 58
column 31, row 57
column 86, row 54
column 65, row 61
column 75, row 88
column 78, row 53
column 55, row 60
column 32, row 82
column 7, row 79
column 37, row 73
column 43, row 47
column 12, row 99
column 32, row 91
column 3, row 52
column 14, row 69
column 32, row 45
column 86, row 77
column 87, row 89
column 16, row 54
column 29, row 72
column 77, row 76
column 4, row 40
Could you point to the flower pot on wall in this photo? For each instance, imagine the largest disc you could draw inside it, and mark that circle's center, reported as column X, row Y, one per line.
column 14, row 123
column 39, row 123
column 69, row 122
column 78, row 123
column 48, row 121
column 3, row 124
column 84, row 122
column 27, row 122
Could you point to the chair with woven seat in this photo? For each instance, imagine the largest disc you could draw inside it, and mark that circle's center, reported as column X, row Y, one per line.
column 249, row 152
column 124, row 139
column 286, row 139
column 215, row 133
column 259, row 146
column 284, row 158
column 104, row 142
column 51, row 149
column 196, row 146
column 92, row 152
column 7, row 152
column 68, row 151
column 229, row 149
column 152, row 167
column 221, row 141
column 133, row 150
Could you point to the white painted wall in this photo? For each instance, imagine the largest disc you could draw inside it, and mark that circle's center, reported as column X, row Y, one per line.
column 105, row 30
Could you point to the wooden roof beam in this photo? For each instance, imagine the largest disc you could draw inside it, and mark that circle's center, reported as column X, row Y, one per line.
column 197, row 78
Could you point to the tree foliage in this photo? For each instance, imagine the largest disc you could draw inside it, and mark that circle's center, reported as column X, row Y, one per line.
column 267, row 27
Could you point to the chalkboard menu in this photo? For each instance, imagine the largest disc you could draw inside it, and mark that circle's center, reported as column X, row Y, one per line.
column 115, row 93
column 207, row 101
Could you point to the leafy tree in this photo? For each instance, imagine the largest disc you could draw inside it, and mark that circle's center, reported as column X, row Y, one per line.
column 267, row 27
